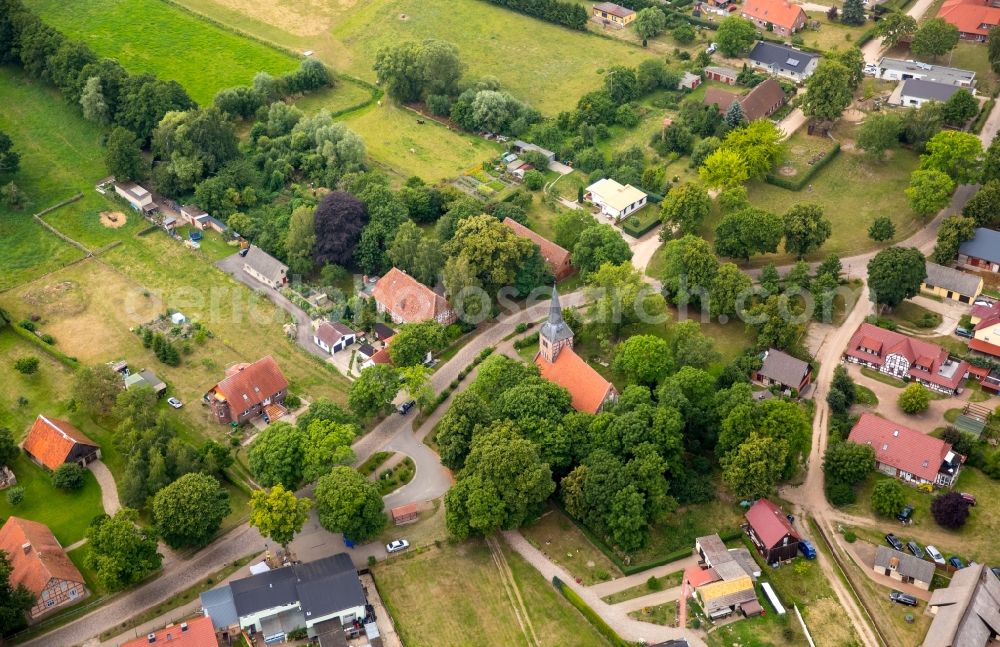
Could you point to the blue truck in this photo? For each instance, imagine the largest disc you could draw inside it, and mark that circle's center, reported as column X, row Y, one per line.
column 807, row 549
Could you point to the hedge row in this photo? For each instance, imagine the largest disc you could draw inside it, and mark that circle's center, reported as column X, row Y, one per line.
column 448, row 390
column 597, row 621
column 796, row 183
column 636, row 226
column 865, row 37
column 984, row 114
column 31, row 337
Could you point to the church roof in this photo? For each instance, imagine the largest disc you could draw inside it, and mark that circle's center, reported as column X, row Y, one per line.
column 555, row 329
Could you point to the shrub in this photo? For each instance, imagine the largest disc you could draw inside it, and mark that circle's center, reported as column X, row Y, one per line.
column 68, row 476
column 26, row 365
column 534, row 180
column 293, row 401
column 654, row 584
column 28, row 325
column 914, row 399
column 850, row 537
column 520, row 328
column 372, row 561
column 950, row 510
column 839, row 493
column 15, row 495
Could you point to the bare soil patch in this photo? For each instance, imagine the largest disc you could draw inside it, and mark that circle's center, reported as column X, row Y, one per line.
column 853, row 115
column 59, row 299
column 788, row 171
column 300, row 18
column 113, row 219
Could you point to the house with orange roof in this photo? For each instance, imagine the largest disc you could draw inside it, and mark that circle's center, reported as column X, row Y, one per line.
column 40, row 564
column 784, row 17
column 196, row 632
column 249, row 390
column 556, row 257
column 407, row 300
column 52, row 442
column 558, row 363
column 906, row 358
column 973, row 18
column 986, row 329
column 907, row 454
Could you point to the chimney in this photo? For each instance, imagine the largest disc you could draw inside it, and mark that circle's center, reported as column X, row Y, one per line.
column 151, row 638
column 184, row 627
column 26, row 547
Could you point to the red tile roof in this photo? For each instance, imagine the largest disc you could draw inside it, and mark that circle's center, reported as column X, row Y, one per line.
column 777, row 12
column 989, row 318
column 981, row 312
column 887, row 342
column 769, row 523
column 199, row 633
column 901, row 447
column 970, row 16
column 587, row 387
column 51, row 440
column 556, row 257
column 700, row 576
column 408, row 299
column 722, row 98
column 247, row 385
column 984, row 347
column 45, row 559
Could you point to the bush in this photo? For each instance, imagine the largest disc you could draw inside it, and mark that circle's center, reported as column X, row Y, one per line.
column 653, row 584
column 839, row 493
column 372, row 561
column 850, row 537
column 520, row 328
column 15, row 495
column 914, row 399
column 796, row 183
column 26, row 365
column 293, row 401
column 27, row 325
column 950, row 510
column 48, row 339
column 534, row 180
column 68, row 476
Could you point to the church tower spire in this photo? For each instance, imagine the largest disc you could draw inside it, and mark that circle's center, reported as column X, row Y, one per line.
column 554, row 334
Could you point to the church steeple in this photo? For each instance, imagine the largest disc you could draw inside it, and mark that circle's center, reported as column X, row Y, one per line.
column 555, row 310
column 554, row 334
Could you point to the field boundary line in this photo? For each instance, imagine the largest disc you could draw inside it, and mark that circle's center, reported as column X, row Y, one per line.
column 510, row 586
column 64, row 237
column 288, row 51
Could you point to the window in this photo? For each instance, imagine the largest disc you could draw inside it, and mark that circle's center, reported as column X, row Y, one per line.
column 885, row 446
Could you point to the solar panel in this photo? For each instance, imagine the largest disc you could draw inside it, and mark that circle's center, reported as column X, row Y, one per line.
column 792, row 61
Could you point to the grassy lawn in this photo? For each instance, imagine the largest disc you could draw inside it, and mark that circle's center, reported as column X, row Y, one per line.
column 891, row 618
column 769, row 630
column 661, row 614
column 865, row 396
column 78, row 557
column 972, row 56
column 559, row 539
column 67, row 514
column 345, row 95
column 687, row 524
column 910, row 315
column 668, row 581
column 470, row 603
column 801, row 148
column 173, row 44
column 882, row 377
column 831, row 35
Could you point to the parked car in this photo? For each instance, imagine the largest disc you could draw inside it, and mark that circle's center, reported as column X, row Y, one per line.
column 933, row 553
column 244, row 252
column 906, row 514
column 807, row 549
column 963, row 332
column 982, row 302
column 969, row 498
column 996, row 570
column 396, row 546
column 175, row 403
column 404, row 408
column 914, row 548
column 903, row 598
column 791, row 518
column 871, row 69
column 893, row 541
column 957, row 562
column 711, row 48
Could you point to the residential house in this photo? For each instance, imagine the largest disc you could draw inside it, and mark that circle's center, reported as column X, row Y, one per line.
column 974, row 18
column 991, row 383
column 382, row 332
column 986, row 330
column 52, row 442
column 725, row 75
column 784, row 17
column 265, row 268
column 196, row 632
column 557, row 258
column 906, row 358
column 195, row 216
column 611, row 15
column 762, row 101
column 247, row 391
column 723, row 598
column 140, row 199
column 615, row 201
column 146, row 377
column 714, row 554
column 771, row 532
column 781, row 369
column 689, row 81
column 277, row 601
column 41, row 565
column 333, row 336
column 982, row 251
column 903, row 567
column 916, row 92
column 723, row 579
column 520, row 147
column 906, row 454
column 365, row 352
column 897, row 69
column 784, row 61
column 949, row 283
column 558, row 363
column 407, row 300
column 967, row 611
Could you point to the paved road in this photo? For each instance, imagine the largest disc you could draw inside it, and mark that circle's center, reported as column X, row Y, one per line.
column 109, row 491
column 872, row 50
column 603, row 589
column 991, row 126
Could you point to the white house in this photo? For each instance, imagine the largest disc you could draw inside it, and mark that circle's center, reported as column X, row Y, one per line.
column 616, row 201
column 140, row 199
column 916, row 92
column 265, row 268
column 333, row 336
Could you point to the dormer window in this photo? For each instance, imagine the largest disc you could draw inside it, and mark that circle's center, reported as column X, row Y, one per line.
column 924, row 464
column 885, row 446
column 895, row 433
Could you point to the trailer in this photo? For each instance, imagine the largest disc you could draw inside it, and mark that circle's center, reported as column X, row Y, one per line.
column 773, row 598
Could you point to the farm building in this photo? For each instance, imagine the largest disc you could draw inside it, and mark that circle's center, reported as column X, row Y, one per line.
column 51, row 442
column 557, row 258
column 265, row 268
column 714, row 554
column 762, row 101
column 982, row 251
column 196, row 632
column 146, row 377
column 140, row 199
column 249, row 390
column 405, row 514
column 965, row 612
column 906, row 358
column 914, row 93
column 407, row 300
column 771, row 532
column 903, row 567
column 615, row 201
column 41, row 565
column 784, row 17
column 519, row 147
column 333, row 336
column 781, row 369
column 973, row 18
column 725, row 75
column 949, row 283
column 906, row 454
column 195, row 216
column 896, row 69
column 784, row 61
column 611, row 15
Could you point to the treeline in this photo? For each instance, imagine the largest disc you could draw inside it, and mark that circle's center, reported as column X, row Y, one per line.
column 567, row 14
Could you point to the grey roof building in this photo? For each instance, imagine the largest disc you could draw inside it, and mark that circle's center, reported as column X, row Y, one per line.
column 985, row 246
column 265, row 268
column 916, row 92
column 940, row 276
column 967, row 612
column 781, row 369
column 783, row 60
column 896, row 69
column 904, row 567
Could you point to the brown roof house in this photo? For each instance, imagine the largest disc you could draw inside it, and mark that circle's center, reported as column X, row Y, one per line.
column 333, row 336
column 782, row 370
column 763, row 101
column 784, row 17
column 555, row 256
column 407, row 300
column 967, row 612
column 41, row 565
column 52, row 442
column 771, row 532
column 907, row 454
column 248, row 391
column 903, row 567
column 612, row 15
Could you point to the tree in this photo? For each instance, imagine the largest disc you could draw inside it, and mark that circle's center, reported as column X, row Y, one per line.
column 14, row 600
column 879, row 133
column 621, row 296
column 758, row 144
column 853, row 60
column 847, row 462
column 950, row 510
column 189, row 511
column 895, row 26
column 914, row 399
column 414, row 341
column 339, row 220
column 68, row 476
column 569, row 224
column 26, row 365
column 728, row 287
column 956, row 153
column 9, row 450
column 121, row 552
column 400, row 70
column 440, row 66
column 735, row 117
column 124, row 155
column 10, row 160
column 853, row 13
column 984, row 207
column 417, row 255
column 779, row 326
column 724, row 169
column 468, row 412
column 683, row 33
column 95, row 107
column 888, row 497
column 15, row 495
column 805, row 229
column 828, row 91
column 643, row 359
column 735, row 35
column 372, row 393
column 300, row 241
column 689, row 269
column 951, row 234
column 503, row 485
column 494, row 253
column 921, row 124
column 993, row 51
column 690, row 347
column 192, row 145
column 752, row 469
column 750, row 231
column 895, row 274
column 95, row 389
column 347, row 502
column 935, row 37
column 276, row 456
column 929, row 191
column 598, row 245
column 278, row 514
column 882, row 229
column 686, row 207
column 649, row 22
column 621, row 84
column 959, row 108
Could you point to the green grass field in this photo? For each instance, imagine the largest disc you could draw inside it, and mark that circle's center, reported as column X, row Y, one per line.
column 153, row 36
column 566, row 545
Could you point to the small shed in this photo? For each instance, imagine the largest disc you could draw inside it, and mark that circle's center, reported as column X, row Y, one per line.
column 178, row 318
column 405, row 514
column 689, row 81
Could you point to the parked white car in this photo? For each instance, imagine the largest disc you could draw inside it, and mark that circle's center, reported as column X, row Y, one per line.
column 397, row 546
column 175, row 403
column 935, row 555
column 871, row 69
